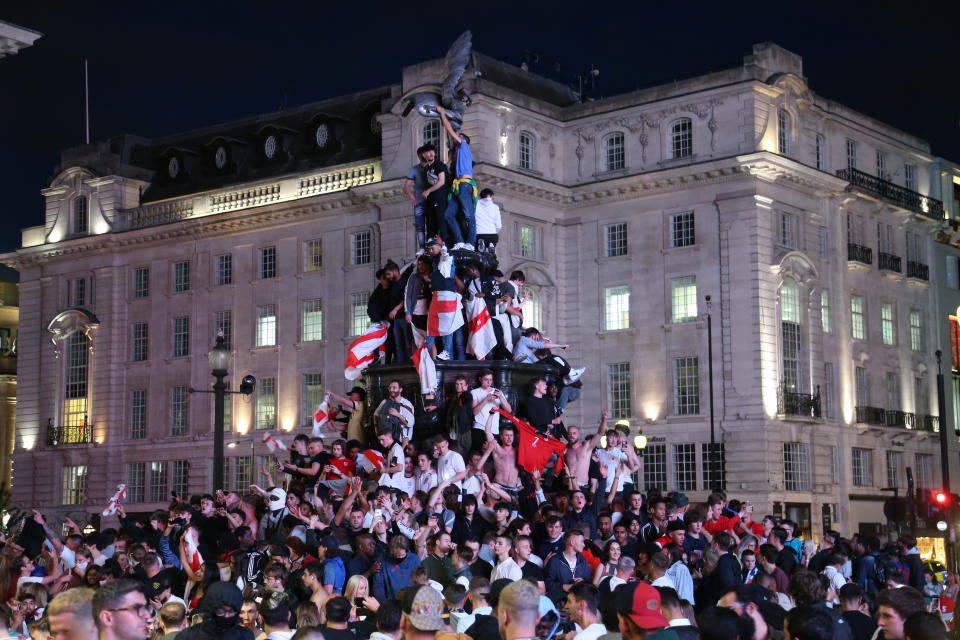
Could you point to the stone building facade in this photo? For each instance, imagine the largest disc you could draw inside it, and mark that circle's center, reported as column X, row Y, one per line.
column 809, row 226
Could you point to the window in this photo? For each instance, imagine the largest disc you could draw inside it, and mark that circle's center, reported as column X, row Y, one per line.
column 75, row 484
column 158, row 481
column 834, row 464
column 681, row 138
column 179, row 411
column 894, row 468
column 616, row 304
column 77, row 292
column 613, row 152
column 181, row 477
column 862, row 467
column 655, row 467
column 791, row 336
column 136, row 474
column 224, row 273
column 893, row 391
column 237, row 472
column 528, row 148
column 824, row 243
column 796, row 466
column 531, row 308
column 615, row 240
column 181, row 277
column 268, row 262
column 81, row 215
column 886, row 242
column 312, row 396
column 854, row 228
column 138, row 414
column 858, row 326
column 914, row 247
column 829, row 391
column 266, row 325
column 862, row 387
column 223, row 323
column 141, row 341
column 916, row 330
column 529, row 241
column 820, row 143
column 921, row 399
column 881, row 165
column 361, row 249
column 618, row 390
column 75, row 389
column 266, row 414
column 910, row 176
column 686, row 387
column 312, row 255
column 825, row 310
column 719, row 451
column 430, row 133
column 924, row 475
column 851, row 154
column 888, row 324
column 682, row 230
column 181, row 337
column 312, row 320
column 141, row 282
column 785, row 123
column 684, row 298
column 787, row 230
column 358, row 313
column 685, row 467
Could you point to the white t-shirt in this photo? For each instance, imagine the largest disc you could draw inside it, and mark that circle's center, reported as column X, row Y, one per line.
column 480, row 417
column 426, row 480
column 471, row 486
column 611, row 459
column 507, row 569
column 449, row 465
column 487, row 215
column 408, row 485
column 394, row 457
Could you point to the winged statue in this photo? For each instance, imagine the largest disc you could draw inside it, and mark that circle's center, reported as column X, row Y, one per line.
column 453, row 97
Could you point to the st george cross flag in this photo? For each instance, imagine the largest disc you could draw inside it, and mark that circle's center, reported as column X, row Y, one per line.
column 365, row 349
column 321, row 418
column 116, row 500
column 370, row 460
column 535, row 448
column 444, row 316
column 274, row 444
column 426, row 368
column 482, row 339
column 193, row 552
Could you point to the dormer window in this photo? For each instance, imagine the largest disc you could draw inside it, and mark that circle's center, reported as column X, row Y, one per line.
column 81, row 217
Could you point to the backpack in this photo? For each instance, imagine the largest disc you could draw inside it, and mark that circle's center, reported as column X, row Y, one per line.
column 880, row 565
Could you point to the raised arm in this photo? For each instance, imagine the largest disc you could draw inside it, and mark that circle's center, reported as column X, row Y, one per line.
column 446, row 124
column 594, row 440
column 488, row 429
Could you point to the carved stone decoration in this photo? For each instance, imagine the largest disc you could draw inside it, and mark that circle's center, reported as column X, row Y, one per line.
column 703, row 110
column 69, row 322
column 579, row 152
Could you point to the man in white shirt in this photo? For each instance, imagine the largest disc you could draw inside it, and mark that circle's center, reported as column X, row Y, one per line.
column 391, row 475
column 488, row 220
column 583, row 600
column 426, row 477
column 450, row 466
column 485, row 398
column 506, row 567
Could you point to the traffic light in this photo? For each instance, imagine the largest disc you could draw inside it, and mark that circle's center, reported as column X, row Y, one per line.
column 941, row 499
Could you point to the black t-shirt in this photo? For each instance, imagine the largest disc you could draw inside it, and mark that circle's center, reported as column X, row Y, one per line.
column 338, row 634
column 539, row 411
column 431, row 174
column 530, row 570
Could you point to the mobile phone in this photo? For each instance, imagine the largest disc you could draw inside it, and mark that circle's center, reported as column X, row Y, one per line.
column 358, row 602
column 378, row 513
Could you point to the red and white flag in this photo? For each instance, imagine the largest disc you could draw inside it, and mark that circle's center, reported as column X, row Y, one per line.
column 365, row 349
column 426, row 368
column 482, row 339
column 444, row 316
column 193, row 552
column 274, row 444
column 370, row 460
column 116, row 500
column 321, row 418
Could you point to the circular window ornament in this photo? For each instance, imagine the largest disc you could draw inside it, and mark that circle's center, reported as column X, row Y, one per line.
column 220, row 157
column 270, row 147
column 173, row 167
column 321, row 135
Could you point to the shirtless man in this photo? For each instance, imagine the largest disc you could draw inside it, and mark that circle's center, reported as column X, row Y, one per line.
column 579, row 451
column 504, row 456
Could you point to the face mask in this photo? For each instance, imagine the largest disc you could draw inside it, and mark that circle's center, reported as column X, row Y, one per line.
column 226, row 622
column 82, row 566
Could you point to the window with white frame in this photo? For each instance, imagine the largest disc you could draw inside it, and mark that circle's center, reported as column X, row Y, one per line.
column 784, row 125
column 529, row 241
column 138, row 414
column 914, row 247
column 613, row 152
column 223, row 323
column 616, row 304
column 619, row 390
column 655, row 467
column 921, row 398
column 158, row 481
column 825, row 310
column 686, row 385
column 81, row 215
column 862, row 463
column 179, row 410
column 829, row 390
column 894, row 468
column 77, row 292
column 76, row 372
column 238, row 472
column 312, row 395
column 683, row 229
column 266, row 325
column 615, row 240
column 834, row 463
column 824, row 243
column 685, row 466
column 910, row 176
column 74, row 484
column 136, row 478
column 358, row 313
column 820, row 151
column 266, row 411
column 861, row 386
column 181, row 337
column 224, row 273
column 893, row 391
column 720, row 455
column 916, row 330
column 312, row 255
column 924, row 470
column 181, row 276
column 430, row 133
column 141, row 282
column 881, row 165
column 681, row 138
column 312, row 320
column 181, row 477
column 140, row 350
column 796, row 466
column 361, row 247
column 888, row 324
column 267, row 259
column 527, row 150
column 858, row 325
column 788, row 233
column 791, row 336
column 851, row 154
column 531, row 308
column 683, row 296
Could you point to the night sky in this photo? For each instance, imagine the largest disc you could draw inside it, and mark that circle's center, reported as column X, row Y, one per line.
column 160, row 68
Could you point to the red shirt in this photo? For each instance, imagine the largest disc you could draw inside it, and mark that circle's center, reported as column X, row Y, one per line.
column 723, row 523
column 345, row 467
column 535, row 448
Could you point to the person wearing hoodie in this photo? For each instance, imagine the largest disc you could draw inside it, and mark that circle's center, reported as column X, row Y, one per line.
column 397, row 569
column 220, row 608
column 911, row 556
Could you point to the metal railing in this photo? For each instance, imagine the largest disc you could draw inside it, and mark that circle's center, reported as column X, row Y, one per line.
column 859, row 253
column 894, row 193
column 918, row 270
column 80, row 434
column 889, row 262
column 923, row 423
column 792, row 403
column 897, row 419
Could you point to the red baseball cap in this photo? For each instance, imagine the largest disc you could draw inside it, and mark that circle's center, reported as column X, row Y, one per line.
column 641, row 603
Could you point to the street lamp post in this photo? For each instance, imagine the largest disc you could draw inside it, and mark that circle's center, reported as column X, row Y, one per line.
column 219, row 358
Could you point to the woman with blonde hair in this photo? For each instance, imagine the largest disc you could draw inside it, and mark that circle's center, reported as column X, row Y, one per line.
column 357, row 591
column 307, row 615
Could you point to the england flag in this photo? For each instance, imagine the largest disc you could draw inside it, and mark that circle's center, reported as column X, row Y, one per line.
column 482, row 339
column 274, row 444
column 365, row 350
column 116, row 500
column 321, row 418
column 370, row 460
column 426, row 368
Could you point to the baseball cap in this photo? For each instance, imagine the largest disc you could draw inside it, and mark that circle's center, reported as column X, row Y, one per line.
column 641, row 603
column 329, row 542
column 424, row 607
column 431, row 242
column 676, row 525
column 681, row 499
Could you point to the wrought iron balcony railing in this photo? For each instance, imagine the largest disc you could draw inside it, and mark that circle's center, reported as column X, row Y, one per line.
column 889, row 262
column 918, row 270
column 894, row 193
column 82, row 434
column 897, row 419
column 923, row 423
column 792, row 403
column 859, row 253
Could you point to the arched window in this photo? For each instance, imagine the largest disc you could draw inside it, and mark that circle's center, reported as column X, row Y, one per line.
column 532, row 308
column 791, row 337
column 681, row 138
column 784, row 124
column 430, row 134
column 76, row 354
column 81, row 218
column 613, row 151
column 528, row 149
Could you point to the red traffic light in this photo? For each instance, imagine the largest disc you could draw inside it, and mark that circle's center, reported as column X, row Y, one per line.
column 940, row 497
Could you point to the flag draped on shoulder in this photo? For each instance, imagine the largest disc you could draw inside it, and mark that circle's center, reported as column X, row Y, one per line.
column 535, row 448
column 444, row 315
column 365, row 349
column 426, row 368
column 481, row 339
column 321, row 418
